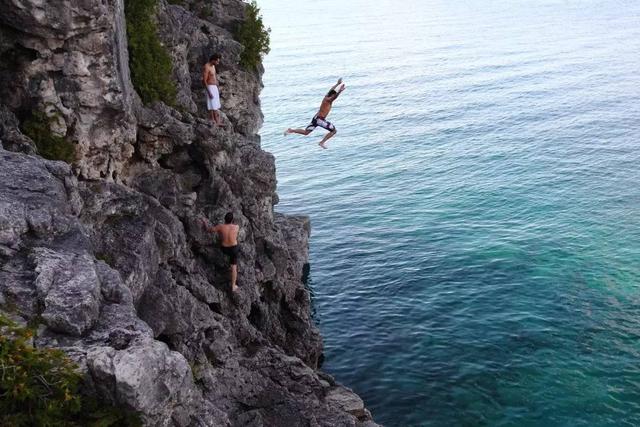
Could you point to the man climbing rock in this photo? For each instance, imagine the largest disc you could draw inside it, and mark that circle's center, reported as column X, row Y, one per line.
column 210, row 80
column 228, row 233
column 320, row 119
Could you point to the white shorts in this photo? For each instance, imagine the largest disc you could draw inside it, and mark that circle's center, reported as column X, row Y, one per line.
column 214, row 102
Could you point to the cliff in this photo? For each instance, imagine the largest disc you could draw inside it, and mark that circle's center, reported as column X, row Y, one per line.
column 106, row 254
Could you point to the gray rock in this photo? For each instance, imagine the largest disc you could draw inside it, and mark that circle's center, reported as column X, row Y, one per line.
column 108, row 253
column 347, row 400
column 69, row 289
column 70, row 61
column 11, row 138
column 192, row 40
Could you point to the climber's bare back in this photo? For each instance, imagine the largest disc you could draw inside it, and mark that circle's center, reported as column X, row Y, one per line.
column 228, row 234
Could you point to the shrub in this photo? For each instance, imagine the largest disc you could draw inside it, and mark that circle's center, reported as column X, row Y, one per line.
column 150, row 63
column 253, row 35
column 40, row 387
column 49, row 145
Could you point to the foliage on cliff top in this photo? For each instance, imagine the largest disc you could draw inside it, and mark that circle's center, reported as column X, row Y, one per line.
column 150, row 63
column 40, row 387
column 253, row 35
column 49, row 145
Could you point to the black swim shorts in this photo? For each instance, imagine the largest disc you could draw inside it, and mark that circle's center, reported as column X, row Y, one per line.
column 232, row 253
column 320, row 121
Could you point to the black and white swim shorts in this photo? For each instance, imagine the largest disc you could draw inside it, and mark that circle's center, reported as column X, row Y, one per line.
column 320, row 121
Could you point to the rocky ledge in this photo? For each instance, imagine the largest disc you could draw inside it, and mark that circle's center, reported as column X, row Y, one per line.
column 106, row 253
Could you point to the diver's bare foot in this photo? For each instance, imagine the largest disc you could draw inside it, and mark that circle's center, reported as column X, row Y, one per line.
column 234, row 288
column 321, row 144
column 287, row 132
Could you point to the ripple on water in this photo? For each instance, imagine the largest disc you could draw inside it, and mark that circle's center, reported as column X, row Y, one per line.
column 475, row 245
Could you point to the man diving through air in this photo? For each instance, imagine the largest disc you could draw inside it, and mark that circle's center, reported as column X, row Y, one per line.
column 320, row 119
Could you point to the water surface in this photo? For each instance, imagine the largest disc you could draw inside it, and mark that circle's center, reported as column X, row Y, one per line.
column 476, row 247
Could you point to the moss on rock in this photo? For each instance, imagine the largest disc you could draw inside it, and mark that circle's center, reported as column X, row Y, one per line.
column 49, row 145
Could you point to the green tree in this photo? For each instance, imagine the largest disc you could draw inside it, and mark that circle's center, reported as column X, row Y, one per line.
column 40, row 387
column 253, row 35
column 149, row 61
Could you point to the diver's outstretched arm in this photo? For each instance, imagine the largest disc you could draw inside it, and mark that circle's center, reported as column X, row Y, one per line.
column 342, row 88
column 337, row 84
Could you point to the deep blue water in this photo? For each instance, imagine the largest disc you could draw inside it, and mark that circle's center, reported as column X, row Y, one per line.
column 475, row 254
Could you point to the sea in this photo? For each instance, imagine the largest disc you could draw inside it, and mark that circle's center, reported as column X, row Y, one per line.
column 475, row 246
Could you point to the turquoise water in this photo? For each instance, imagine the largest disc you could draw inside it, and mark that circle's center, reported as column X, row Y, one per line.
column 475, row 256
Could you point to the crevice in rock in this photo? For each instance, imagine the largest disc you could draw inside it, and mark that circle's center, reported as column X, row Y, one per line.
column 306, row 270
column 289, row 320
column 321, row 360
column 215, row 307
column 166, row 339
column 255, row 316
column 13, row 58
column 269, row 292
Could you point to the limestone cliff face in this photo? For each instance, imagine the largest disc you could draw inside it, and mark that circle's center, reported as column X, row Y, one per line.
column 107, row 252
column 70, row 59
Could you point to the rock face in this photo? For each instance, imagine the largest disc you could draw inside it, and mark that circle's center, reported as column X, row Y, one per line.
column 69, row 58
column 108, row 253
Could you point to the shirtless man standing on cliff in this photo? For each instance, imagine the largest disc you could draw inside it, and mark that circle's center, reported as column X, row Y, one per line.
column 228, row 233
column 320, row 119
column 210, row 80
